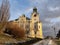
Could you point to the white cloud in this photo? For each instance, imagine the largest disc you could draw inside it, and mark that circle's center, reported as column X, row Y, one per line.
column 47, row 19
column 53, row 20
column 53, row 8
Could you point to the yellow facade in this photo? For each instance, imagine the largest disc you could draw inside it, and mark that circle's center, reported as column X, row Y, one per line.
column 32, row 34
column 35, row 25
column 39, row 33
column 32, row 26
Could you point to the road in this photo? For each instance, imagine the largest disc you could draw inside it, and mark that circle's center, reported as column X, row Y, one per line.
column 46, row 42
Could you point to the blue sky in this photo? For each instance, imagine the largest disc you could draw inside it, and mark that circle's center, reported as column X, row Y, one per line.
column 18, row 8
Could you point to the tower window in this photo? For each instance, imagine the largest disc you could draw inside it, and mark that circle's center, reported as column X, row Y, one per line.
column 35, row 15
column 39, row 26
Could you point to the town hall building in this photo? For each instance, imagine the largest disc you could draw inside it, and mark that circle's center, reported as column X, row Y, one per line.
column 32, row 25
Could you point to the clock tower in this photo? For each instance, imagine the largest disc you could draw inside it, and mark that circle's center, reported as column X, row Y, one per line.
column 35, row 25
column 33, row 22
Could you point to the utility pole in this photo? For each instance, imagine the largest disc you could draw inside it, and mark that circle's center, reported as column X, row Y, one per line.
column 4, row 14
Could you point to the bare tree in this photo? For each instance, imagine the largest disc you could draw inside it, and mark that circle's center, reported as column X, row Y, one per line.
column 4, row 13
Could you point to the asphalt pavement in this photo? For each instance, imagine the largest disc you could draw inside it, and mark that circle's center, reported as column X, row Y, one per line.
column 46, row 42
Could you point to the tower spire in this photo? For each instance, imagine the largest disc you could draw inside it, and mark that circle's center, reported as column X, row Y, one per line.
column 35, row 9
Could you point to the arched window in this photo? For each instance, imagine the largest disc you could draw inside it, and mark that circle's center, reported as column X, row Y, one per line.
column 39, row 26
column 34, row 15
